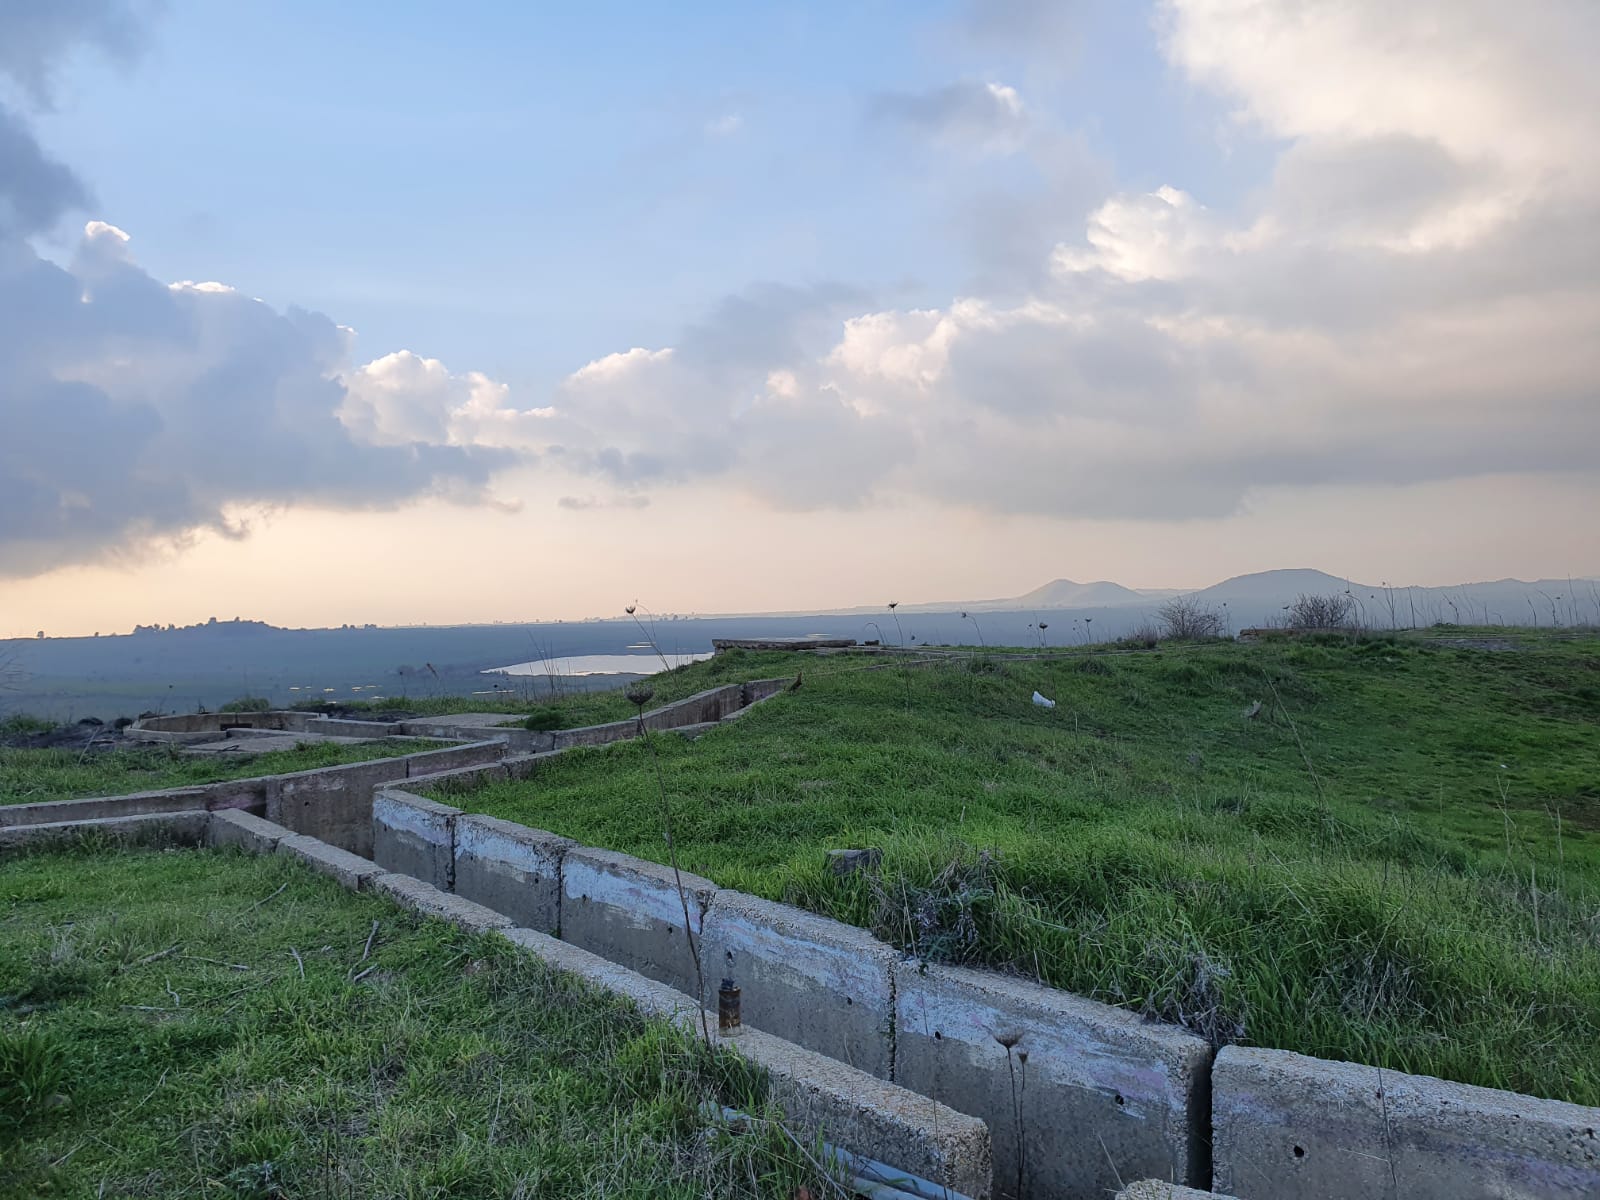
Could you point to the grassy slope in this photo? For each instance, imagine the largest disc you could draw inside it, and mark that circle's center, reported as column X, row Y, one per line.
column 457, row 1067
column 27, row 776
column 1418, row 886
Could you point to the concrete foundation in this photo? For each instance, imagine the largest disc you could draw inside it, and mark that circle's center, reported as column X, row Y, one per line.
column 628, row 910
column 1290, row 1127
column 870, row 1116
column 430, row 901
column 819, row 1096
column 351, row 870
column 1154, row 1189
column 415, row 837
column 244, row 830
column 811, row 981
column 512, row 869
column 144, row 829
column 1108, row 1096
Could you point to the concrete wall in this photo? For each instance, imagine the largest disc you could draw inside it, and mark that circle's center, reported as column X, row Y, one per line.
column 1109, row 1097
column 143, row 829
column 1290, row 1127
column 628, row 910
column 473, row 754
column 415, row 837
column 333, row 804
column 512, row 869
column 136, row 804
column 811, row 981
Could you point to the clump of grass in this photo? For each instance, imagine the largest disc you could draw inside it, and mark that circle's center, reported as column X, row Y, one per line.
column 457, row 1065
column 246, row 704
column 545, row 718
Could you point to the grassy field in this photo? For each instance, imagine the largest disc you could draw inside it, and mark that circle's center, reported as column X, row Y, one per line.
column 188, row 1023
column 1395, row 861
column 28, row 775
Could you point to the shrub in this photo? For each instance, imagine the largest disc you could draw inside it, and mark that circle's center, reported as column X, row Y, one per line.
column 543, row 719
column 33, row 1068
column 1332, row 611
column 244, row 704
column 1188, row 619
column 1145, row 634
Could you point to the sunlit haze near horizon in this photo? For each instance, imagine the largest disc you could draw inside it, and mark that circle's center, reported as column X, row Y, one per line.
column 369, row 313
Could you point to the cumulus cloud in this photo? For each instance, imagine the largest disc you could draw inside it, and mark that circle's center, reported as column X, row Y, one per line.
column 138, row 411
column 1411, row 296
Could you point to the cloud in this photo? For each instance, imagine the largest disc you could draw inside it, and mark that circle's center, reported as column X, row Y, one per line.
column 973, row 115
column 136, row 411
column 725, row 125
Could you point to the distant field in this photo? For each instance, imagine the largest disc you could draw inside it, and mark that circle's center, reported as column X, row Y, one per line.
column 27, row 775
column 1396, row 861
column 159, row 1036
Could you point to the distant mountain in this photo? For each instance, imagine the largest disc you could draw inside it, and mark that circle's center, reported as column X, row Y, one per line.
column 1279, row 586
column 1064, row 593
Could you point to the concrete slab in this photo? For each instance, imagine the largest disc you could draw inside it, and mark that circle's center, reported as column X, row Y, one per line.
column 414, row 836
column 811, row 981
column 652, row 998
column 142, row 829
column 234, row 827
column 1154, row 1189
column 870, row 1116
column 512, row 869
column 820, row 1097
column 264, row 742
column 1109, row 1096
column 628, row 910
column 430, row 901
column 1296, row 1128
column 350, row 870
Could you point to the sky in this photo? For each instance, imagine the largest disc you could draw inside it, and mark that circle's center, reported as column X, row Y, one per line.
column 397, row 313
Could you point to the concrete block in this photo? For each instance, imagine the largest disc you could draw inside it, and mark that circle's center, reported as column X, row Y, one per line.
column 232, row 827
column 593, row 735
column 141, row 829
column 333, row 804
column 811, row 981
column 1109, row 1096
column 415, row 837
column 430, row 901
column 54, row 812
column 474, row 754
column 1296, row 1128
column 628, row 910
column 652, row 998
column 871, row 1117
column 1154, row 1189
column 512, row 869
column 350, row 870
column 819, row 1096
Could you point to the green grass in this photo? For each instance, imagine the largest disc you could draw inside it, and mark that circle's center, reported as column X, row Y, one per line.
column 27, row 776
column 1396, row 862
column 158, row 1038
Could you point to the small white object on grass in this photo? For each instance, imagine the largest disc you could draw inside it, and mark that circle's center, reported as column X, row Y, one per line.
column 1043, row 701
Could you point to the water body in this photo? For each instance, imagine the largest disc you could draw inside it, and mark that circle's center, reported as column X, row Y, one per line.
column 599, row 664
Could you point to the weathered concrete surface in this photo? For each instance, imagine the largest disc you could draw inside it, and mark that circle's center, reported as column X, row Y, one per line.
column 351, row 870
column 474, row 754
column 809, row 980
column 1290, row 1127
column 232, row 827
column 512, row 869
column 53, row 812
column 333, row 804
column 628, row 910
column 414, row 836
column 1154, row 1189
column 820, row 1096
column 1110, row 1097
column 652, row 998
column 870, row 1116
column 430, row 901
column 143, row 829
